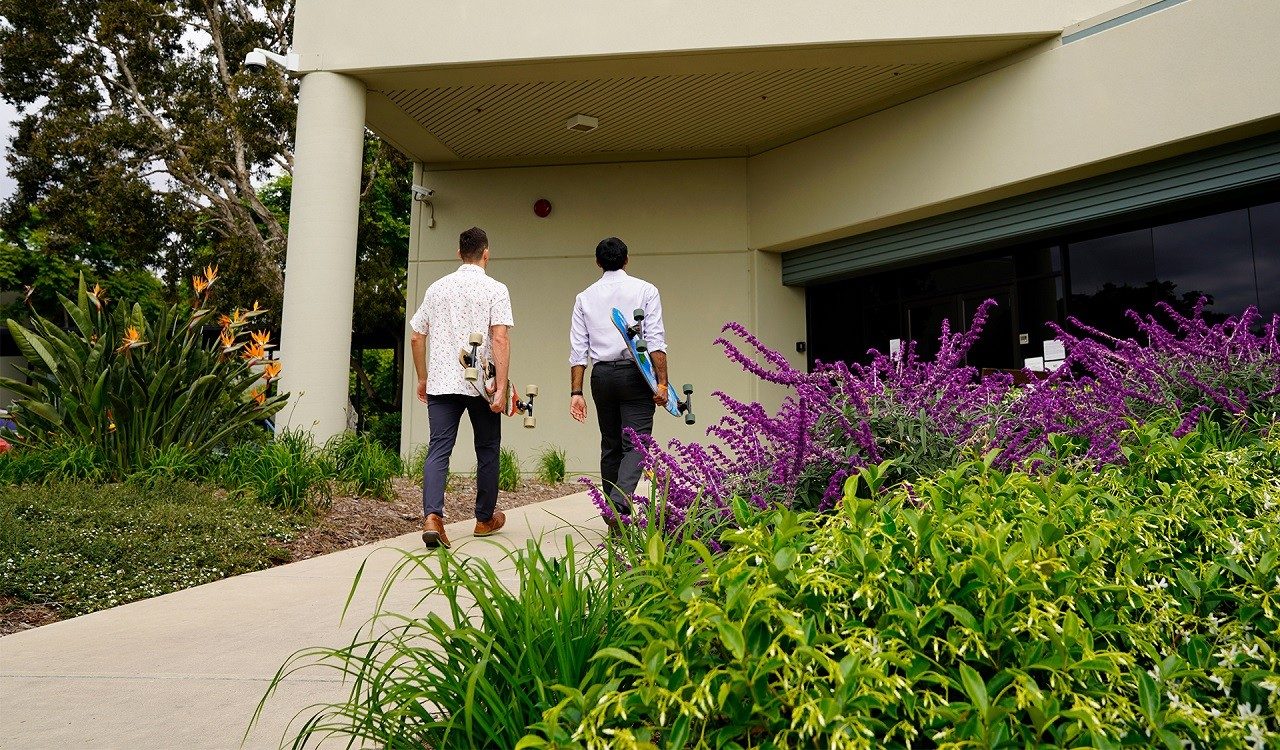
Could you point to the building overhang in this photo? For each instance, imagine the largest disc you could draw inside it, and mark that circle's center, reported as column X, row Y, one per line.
column 689, row 104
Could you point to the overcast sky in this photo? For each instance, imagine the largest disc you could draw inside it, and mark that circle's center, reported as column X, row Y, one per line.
column 7, row 115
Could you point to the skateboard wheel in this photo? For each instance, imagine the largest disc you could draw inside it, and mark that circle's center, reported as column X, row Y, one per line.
column 471, row 374
column 687, row 389
column 530, row 422
column 638, row 313
column 641, row 346
column 689, row 418
column 476, row 339
column 531, row 391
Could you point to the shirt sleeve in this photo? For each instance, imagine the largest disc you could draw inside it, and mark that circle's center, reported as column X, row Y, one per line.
column 500, row 308
column 654, row 334
column 579, row 340
column 421, row 321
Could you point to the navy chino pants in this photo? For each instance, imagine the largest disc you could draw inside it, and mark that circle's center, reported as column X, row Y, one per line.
column 444, row 413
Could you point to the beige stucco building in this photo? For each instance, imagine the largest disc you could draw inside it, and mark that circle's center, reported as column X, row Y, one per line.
column 776, row 165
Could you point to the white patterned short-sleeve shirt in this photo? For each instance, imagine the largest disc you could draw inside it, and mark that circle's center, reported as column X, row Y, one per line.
column 466, row 301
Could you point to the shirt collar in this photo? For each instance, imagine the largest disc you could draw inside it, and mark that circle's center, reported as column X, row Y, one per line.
column 471, row 268
column 618, row 274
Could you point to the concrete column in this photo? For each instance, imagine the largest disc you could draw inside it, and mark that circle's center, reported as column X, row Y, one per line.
column 320, row 265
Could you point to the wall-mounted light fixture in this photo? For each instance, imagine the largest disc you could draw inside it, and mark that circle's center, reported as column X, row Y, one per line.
column 582, row 123
column 542, row 208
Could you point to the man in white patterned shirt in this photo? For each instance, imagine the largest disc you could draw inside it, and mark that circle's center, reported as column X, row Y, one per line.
column 621, row 395
column 466, row 301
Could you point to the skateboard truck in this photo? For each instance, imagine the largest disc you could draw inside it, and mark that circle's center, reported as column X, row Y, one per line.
column 526, row 407
column 637, row 330
column 686, row 406
column 471, row 373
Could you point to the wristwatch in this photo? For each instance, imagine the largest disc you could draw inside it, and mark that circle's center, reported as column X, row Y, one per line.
column 575, row 393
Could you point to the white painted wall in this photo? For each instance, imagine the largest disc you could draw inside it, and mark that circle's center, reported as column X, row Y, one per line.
column 1154, row 87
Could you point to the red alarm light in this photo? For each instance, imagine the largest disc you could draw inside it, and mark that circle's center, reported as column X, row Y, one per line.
column 542, row 208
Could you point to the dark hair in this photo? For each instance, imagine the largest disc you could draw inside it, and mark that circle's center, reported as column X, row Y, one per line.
column 611, row 254
column 472, row 243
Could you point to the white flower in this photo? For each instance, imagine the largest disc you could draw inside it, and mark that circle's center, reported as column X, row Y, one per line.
column 1237, row 548
column 1161, row 583
column 1269, row 685
column 1248, row 712
column 1222, row 685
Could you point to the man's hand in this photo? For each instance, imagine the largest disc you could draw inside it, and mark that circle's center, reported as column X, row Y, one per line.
column 496, row 403
column 578, row 408
column 422, row 391
column 660, row 398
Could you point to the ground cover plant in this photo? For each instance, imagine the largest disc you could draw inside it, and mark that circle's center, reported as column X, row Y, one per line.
column 129, row 387
column 83, row 546
column 508, row 470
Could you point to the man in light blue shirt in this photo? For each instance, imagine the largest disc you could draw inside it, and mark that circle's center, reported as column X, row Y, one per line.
column 621, row 395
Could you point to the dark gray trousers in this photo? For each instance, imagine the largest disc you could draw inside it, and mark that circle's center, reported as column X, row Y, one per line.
column 444, row 413
column 622, row 399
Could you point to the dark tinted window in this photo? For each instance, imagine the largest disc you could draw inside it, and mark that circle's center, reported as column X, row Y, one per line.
column 1210, row 256
column 1110, row 275
column 1265, row 224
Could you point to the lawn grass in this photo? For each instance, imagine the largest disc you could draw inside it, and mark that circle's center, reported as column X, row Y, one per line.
column 78, row 547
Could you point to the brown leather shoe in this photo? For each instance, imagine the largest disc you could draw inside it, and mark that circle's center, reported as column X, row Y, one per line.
column 433, row 532
column 485, row 528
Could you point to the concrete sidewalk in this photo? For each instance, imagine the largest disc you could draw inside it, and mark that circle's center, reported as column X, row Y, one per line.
column 187, row 670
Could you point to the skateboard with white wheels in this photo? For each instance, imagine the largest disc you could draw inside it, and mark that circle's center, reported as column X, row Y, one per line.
column 474, row 366
column 634, row 336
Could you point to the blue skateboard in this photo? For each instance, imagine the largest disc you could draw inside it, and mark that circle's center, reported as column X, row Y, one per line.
column 639, row 352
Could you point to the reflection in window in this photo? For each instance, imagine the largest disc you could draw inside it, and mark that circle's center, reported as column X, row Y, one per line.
column 1210, row 256
column 1110, row 275
column 1264, row 221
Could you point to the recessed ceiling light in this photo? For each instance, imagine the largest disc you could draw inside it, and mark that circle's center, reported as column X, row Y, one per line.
column 583, row 123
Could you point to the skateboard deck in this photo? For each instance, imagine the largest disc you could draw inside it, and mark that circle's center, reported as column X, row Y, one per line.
column 632, row 335
column 483, row 377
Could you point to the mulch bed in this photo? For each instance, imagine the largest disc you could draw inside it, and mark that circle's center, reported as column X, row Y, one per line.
column 348, row 522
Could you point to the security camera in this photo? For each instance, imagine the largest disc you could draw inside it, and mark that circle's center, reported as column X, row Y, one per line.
column 257, row 60
column 421, row 193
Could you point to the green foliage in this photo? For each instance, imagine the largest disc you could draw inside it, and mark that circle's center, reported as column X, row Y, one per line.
column 413, row 465
column 1132, row 606
column 473, row 675
column 54, row 462
column 289, row 472
column 508, row 470
column 81, row 546
column 551, row 465
column 364, row 463
column 132, row 387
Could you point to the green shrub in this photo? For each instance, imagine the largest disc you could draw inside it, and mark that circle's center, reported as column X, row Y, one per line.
column 1131, row 606
column 130, row 386
column 508, row 470
column 171, row 464
column 473, row 675
column 413, row 463
column 84, row 546
column 364, row 463
column 288, row 473
column 49, row 463
column 551, row 465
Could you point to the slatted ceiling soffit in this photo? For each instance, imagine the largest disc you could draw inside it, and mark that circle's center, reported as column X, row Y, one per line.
column 666, row 113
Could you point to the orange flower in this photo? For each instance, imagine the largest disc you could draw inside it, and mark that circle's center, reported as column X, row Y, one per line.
column 132, row 339
column 261, row 337
column 199, row 284
column 259, row 395
column 271, row 371
column 211, row 274
column 237, row 317
column 97, row 295
column 253, row 352
column 227, row 339
column 224, row 321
